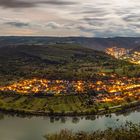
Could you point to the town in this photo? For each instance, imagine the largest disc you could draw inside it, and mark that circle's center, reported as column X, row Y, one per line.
column 117, row 89
column 124, row 54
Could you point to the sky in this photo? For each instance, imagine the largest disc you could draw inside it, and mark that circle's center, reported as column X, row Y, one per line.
column 90, row 18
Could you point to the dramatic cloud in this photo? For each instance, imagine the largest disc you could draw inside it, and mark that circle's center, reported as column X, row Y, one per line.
column 100, row 18
column 18, row 24
column 31, row 3
column 15, row 4
column 57, row 2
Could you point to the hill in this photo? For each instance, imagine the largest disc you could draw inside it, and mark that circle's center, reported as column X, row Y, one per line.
column 52, row 61
column 94, row 43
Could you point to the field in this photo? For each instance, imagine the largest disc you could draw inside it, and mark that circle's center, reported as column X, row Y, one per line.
column 59, row 105
column 56, row 104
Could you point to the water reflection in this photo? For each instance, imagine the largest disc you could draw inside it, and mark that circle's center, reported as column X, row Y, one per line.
column 75, row 120
column 27, row 127
column 64, row 119
column 1, row 116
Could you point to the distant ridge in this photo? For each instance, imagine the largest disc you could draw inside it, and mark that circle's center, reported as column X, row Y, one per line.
column 93, row 43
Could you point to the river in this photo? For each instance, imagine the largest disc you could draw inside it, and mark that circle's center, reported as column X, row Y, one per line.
column 13, row 127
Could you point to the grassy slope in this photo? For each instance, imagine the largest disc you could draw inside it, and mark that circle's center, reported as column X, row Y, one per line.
column 58, row 105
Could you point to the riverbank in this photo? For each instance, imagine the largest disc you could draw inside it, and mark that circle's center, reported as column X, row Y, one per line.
column 128, row 132
column 59, row 106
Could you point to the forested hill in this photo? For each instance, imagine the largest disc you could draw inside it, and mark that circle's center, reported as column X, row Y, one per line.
column 53, row 61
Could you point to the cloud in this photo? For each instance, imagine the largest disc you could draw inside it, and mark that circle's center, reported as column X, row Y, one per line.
column 131, row 18
column 94, row 11
column 136, row 25
column 57, row 2
column 53, row 25
column 15, row 4
column 17, row 24
column 31, row 3
column 94, row 19
column 71, row 17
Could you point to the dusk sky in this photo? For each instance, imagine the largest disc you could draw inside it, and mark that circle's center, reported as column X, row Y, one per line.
column 92, row 18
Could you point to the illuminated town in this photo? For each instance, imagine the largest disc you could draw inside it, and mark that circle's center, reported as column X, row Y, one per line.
column 124, row 54
column 133, row 58
column 117, row 52
column 106, row 91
